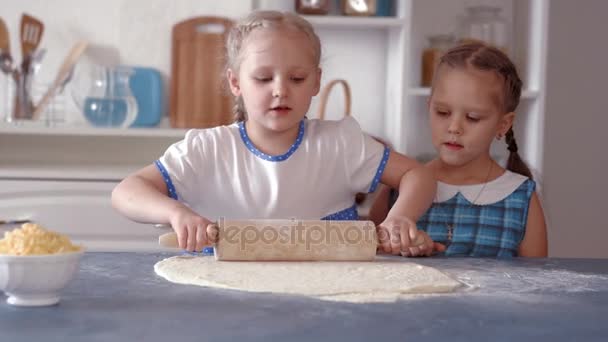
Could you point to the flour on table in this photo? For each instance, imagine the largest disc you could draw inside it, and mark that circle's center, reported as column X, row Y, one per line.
column 378, row 281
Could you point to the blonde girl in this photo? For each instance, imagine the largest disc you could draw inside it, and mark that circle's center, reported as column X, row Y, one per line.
column 273, row 162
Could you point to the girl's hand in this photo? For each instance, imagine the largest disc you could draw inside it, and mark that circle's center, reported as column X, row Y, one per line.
column 191, row 228
column 399, row 236
column 427, row 248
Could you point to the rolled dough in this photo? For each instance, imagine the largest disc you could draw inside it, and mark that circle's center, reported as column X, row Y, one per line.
column 382, row 280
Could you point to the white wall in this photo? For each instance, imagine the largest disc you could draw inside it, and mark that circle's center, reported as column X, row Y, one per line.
column 138, row 32
column 132, row 32
column 576, row 138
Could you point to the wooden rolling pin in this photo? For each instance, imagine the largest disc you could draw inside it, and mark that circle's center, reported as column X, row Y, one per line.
column 291, row 240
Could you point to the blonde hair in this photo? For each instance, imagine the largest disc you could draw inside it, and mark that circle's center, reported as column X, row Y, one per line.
column 264, row 19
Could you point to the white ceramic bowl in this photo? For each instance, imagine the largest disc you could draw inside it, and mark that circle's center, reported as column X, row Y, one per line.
column 37, row 280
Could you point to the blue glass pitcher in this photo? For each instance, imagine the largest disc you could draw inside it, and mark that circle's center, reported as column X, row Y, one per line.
column 109, row 101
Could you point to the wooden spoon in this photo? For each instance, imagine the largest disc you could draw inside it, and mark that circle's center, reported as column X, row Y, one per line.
column 31, row 34
column 6, row 60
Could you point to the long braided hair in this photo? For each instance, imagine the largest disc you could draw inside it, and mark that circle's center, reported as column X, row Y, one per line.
column 488, row 58
column 263, row 19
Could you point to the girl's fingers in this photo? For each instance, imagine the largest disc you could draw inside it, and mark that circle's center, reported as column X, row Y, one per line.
column 430, row 249
column 438, row 247
column 384, row 239
column 416, row 237
column 424, row 249
column 212, row 232
column 201, row 238
column 405, row 240
column 191, row 238
column 182, row 238
column 422, row 245
column 397, row 241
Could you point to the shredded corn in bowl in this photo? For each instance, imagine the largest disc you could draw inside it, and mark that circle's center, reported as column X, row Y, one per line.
column 33, row 239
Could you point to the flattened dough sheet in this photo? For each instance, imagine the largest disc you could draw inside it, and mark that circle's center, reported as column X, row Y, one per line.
column 378, row 281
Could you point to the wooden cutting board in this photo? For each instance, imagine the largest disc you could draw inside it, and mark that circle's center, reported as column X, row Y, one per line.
column 199, row 96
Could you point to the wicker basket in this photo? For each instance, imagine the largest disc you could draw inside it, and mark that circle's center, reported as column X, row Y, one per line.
column 325, row 96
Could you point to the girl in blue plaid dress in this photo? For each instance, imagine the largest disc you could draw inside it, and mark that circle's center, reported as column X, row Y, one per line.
column 481, row 209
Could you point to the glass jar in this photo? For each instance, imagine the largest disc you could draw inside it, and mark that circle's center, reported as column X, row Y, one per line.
column 438, row 45
column 359, row 7
column 312, row 6
column 486, row 24
column 103, row 95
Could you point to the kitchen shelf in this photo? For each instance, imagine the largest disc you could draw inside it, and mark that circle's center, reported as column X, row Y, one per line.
column 425, row 91
column 39, row 129
column 73, row 172
column 354, row 22
column 380, row 58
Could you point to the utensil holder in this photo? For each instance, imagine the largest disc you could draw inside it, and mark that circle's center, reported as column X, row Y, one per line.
column 23, row 107
column 17, row 103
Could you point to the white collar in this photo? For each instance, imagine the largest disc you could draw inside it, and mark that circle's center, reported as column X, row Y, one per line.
column 494, row 191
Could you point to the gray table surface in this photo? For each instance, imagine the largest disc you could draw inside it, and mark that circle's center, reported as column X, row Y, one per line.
column 118, row 297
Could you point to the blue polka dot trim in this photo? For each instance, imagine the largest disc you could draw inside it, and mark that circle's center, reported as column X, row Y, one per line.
column 380, row 170
column 167, row 179
column 206, row 251
column 342, row 215
column 268, row 157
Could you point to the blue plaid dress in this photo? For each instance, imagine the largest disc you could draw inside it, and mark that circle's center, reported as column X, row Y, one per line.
column 488, row 230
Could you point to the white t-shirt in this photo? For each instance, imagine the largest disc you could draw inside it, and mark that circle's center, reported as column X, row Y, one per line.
column 219, row 173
